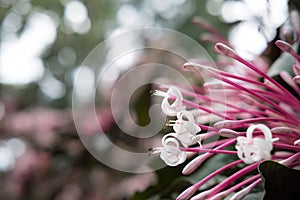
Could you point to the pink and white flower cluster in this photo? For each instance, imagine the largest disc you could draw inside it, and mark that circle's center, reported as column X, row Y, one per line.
column 260, row 120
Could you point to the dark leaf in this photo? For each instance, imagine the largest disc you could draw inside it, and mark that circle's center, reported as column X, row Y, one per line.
column 280, row 182
column 170, row 183
column 295, row 4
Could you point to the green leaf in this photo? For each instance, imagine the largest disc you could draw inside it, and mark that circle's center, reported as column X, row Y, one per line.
column 284, row 63
column 280, row 182
column 170, row 183
column 254, row 196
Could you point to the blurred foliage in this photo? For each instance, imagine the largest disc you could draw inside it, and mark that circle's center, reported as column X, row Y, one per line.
column 101, row 14
column 55, row 164
column 103, row 19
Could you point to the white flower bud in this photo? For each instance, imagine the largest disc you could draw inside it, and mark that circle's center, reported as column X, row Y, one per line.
column 255, row 149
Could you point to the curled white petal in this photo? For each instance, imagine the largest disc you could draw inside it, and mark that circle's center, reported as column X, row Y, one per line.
column 266, row 131
column 186, row 128
column 171, row 153
column 255, row 149
column 170, row 139
column 171, row 109
column 187, row 114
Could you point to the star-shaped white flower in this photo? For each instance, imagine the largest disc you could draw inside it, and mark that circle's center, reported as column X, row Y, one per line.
column 171, row 152
column 186, row 128
column 255, row 149
column 171, row 109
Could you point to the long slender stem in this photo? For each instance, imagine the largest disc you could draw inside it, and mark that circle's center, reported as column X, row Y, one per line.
column 194, row 105
column 251, row 66
column 202, row 150
column 233, row 177
column 216, row 143
column 237, row 186
column 278, row 98
column 256, row 95
column 208, row 99
column 220, row 170
column 286, row 146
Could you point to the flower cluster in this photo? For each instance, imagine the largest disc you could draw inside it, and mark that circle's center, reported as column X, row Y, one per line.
column 185, row 128
column 255, row 114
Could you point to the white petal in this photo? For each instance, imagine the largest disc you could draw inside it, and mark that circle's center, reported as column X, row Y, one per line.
column 266, row 131
column 176, row 106
column 169, row 140
column 173, row 156
column 255, row 149
column 187, row 114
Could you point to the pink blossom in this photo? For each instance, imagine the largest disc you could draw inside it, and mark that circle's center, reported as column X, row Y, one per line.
column 259, row 116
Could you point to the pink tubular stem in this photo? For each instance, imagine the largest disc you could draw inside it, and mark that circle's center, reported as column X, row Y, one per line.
column 195, row 163
column 207, row 128
column 216, row 143
column 192, row 104
column 226, row 74
column 201, row 150
column 255, row 94
column 195, row 105
column 245, row 182
column 255, row 113
column 213, row 174
column 284, row 46
column 251, row 66
column 208, row 99
column 268, row 119
column 249, row 188
column 286, row 146
column 202, row 23
column 290, row 159
column 280, row 94
column 208, row 135
column 278, row 97
column 233, row 177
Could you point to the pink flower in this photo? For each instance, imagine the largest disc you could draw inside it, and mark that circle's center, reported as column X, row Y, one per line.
column 261, row 119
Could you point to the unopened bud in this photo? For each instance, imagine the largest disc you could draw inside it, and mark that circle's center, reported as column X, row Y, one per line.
column 194, row 164
column 284, row 46
column 228, row 133
column 225, row 50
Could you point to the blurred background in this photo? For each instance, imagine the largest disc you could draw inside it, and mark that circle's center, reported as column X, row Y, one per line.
column 42, row 46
